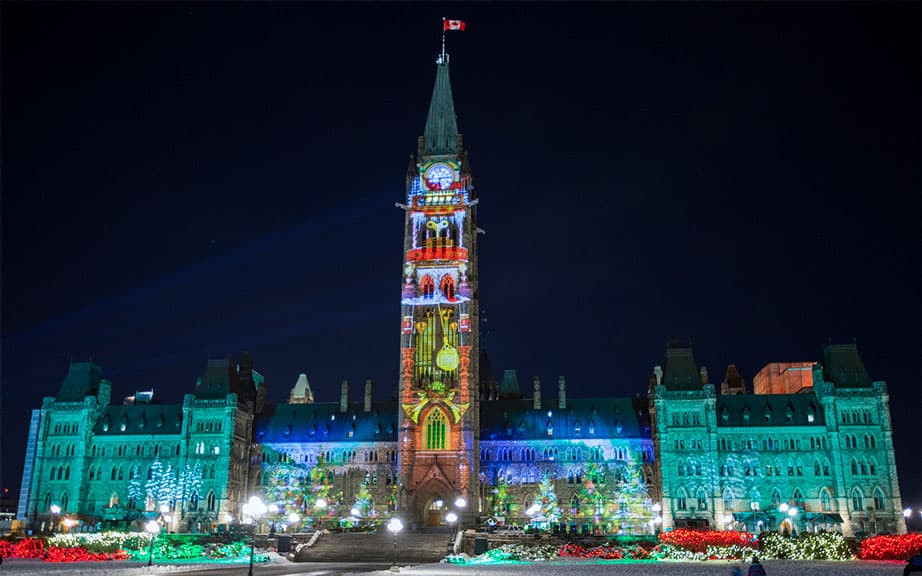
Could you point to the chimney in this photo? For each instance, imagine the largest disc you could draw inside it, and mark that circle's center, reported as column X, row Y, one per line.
column 344, row 397
column 704, row 374
column 537, row 398
column 561, row 392
column 368, row 395
column 658, row 372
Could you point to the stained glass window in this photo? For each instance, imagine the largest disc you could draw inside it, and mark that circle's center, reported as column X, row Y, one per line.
column 436, row 431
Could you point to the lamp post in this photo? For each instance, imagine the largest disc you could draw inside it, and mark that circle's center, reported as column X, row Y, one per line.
column 395, row 525
column 656, row 508
column 293, row 520
column 274, row 520
column 153, row 528
column 55, row 510
column 792, row 513
column 460, row 504
column 164, row 517
column 451, row 518
column 254, row 508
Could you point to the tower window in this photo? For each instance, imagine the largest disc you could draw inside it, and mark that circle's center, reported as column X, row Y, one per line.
column 448, row 287
column 427, row 286
column 436, row 431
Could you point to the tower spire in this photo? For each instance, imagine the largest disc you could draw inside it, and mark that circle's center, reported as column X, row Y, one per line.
column 441, row 133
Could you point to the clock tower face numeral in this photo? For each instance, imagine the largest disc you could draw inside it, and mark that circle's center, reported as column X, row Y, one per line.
column 439, row 177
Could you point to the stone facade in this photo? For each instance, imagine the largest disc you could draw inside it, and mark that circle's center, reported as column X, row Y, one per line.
column 816, row 452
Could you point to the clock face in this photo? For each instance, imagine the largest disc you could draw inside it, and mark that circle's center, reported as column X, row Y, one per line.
column 440, row 177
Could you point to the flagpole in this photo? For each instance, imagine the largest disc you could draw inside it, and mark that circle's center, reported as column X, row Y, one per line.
column 442, row 57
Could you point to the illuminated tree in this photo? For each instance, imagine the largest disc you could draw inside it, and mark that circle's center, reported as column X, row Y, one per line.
column 135, row 488
column 322, row 488
column 592, row 491
column 363, row 502
column 502, row 500
column 154, row 476
column 547, row 500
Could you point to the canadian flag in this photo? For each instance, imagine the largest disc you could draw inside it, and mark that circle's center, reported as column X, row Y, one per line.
column 453, row 25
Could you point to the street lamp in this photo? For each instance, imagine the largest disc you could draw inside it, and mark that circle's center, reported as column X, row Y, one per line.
column 792, row 513
column 254, row 508
column 164, row 516
column 153, row 528
column 451, row 518
column 907, row 512
column 55, row 510
column 395, row 525
column 460, row 504
column 293, row 520
column 656, row 508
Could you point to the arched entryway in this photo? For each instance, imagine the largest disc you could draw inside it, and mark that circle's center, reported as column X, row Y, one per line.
column 430, row 502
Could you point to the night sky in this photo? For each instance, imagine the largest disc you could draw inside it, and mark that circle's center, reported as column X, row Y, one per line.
column 183, row 182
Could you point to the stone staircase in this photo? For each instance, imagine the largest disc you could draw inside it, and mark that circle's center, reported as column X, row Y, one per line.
column 422, row 547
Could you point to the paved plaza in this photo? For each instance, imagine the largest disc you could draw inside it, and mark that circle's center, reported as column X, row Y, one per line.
column 609, row 568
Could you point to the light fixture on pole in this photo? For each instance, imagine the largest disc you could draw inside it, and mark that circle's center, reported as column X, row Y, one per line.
column 460, row 504
column 657, row 519
column 395, row 525
column 153, row 528
column 254, row 508
column 451, row 518
column 55, row 510
column 293, row 520
column 907, row 512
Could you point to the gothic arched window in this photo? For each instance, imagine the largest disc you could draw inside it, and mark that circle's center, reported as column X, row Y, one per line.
column 702, row 500
column 825, row 501
column 776, row 498
column 210, row 502
column 681, row 499
column 448, row 287
column 436, row 430
column 857, row 500
column 426, row 286
column 878, row 499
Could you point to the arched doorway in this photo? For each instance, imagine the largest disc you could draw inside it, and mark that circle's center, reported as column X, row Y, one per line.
column 430, row 502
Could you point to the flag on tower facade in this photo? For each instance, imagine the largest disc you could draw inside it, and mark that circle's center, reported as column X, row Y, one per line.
column 453, row 25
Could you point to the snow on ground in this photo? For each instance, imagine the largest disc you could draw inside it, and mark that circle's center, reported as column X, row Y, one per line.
column 597, row 568
column 115, row 568
column 118, row 568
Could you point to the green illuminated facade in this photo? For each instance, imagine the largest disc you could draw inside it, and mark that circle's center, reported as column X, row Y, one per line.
column 810, row 449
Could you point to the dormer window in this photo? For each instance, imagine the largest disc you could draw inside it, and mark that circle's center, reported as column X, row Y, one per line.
column 577, row 427
column 550, row 427
column 592, row 427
